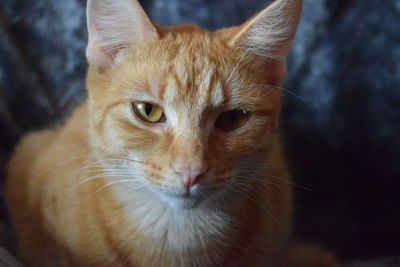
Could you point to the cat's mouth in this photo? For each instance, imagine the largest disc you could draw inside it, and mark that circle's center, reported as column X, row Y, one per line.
column 184, row 197
column 186, row 200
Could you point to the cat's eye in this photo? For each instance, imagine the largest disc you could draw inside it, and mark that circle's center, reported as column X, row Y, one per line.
column 232, row 119
column 148, row 112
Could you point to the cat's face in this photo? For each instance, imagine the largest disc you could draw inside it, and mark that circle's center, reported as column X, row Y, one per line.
column 186, row 113
column 186, row 110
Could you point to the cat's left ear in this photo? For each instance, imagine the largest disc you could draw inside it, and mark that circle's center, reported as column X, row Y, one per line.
column 113, row 26
column 269, row 33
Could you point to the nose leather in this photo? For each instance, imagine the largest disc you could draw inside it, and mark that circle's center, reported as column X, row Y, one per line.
column 191, row 172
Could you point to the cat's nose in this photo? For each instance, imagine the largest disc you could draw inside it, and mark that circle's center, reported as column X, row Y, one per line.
column 191, row 173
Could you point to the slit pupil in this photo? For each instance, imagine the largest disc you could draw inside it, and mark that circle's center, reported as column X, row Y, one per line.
column 148, row 108
column 233, row 117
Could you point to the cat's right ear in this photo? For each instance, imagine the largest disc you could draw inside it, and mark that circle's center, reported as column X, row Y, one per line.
column 113, row 26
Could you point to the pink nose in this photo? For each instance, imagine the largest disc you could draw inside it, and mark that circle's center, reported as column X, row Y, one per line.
column 191, row 172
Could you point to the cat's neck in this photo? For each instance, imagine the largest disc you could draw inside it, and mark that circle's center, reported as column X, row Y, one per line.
column 153, row 232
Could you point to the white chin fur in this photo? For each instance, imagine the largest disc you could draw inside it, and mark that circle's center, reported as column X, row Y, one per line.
column 178, row 221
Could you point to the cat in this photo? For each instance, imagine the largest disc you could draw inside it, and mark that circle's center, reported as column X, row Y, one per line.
column 174, row 159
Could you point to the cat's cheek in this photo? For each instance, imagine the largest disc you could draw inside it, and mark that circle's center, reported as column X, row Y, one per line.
column 113, row 141
column 105, row 142
column 247, row 146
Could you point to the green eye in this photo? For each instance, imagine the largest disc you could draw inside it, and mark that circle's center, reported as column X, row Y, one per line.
column 148, row 112
column 232, row 119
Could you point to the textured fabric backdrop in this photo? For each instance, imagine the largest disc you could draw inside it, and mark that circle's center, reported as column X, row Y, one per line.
column 341, row 113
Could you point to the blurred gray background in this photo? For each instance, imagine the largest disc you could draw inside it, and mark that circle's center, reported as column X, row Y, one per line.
column 340, row 124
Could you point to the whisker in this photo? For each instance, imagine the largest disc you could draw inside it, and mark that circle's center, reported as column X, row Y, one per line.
column 276, row 87
column 98, row 176
column 289, row 182
column 62, row 163
column 100, row 166
column 266, row 174
column 98, row 163
column 251, row 172
column 246, row 195
column 114, row 170
column 236, row 66
column 111, row 183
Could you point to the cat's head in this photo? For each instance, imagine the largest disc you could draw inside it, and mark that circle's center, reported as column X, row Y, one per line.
column 185, row 111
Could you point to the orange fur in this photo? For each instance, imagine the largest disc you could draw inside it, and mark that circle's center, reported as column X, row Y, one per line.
column 69, row 205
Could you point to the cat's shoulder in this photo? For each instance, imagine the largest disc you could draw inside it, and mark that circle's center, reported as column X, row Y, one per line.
column 41, row 144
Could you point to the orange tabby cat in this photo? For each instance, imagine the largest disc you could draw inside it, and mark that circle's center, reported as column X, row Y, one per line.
column 174, row 159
